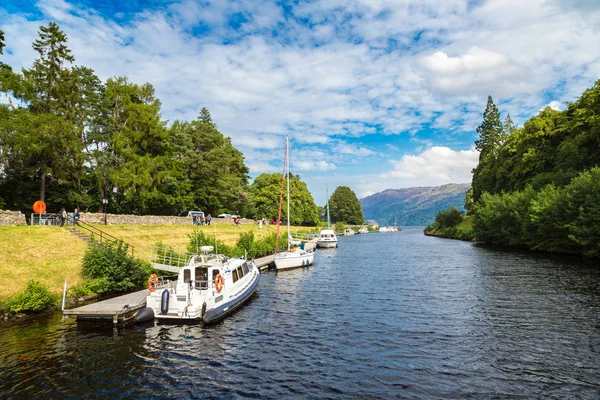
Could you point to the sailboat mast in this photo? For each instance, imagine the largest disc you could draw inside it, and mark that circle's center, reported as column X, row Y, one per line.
column 287, row 144
column 281, row 195
column 328, row 220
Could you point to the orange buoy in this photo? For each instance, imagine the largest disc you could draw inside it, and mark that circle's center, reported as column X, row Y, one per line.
column 153, row 282
column 219, row 283
column 39, row 207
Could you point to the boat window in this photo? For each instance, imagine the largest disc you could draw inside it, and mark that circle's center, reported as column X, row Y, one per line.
column 215, row 273
column 235, row 275
column 240, row 272
column 201, row 278
column 245, row 267
column 186, row 275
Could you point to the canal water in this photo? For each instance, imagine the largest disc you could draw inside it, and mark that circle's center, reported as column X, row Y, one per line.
column 386, row 315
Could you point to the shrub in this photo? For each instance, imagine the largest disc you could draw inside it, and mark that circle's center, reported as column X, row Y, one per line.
column 35, row 298
column 246, row 243
column 199, row 239
column 582, row 208
column 108, row 268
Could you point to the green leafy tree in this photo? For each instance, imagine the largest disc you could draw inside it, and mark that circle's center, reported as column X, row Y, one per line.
column 265, row 191
column 213, row 167
column 345, row 206
column 582, row 212
column 138, row 167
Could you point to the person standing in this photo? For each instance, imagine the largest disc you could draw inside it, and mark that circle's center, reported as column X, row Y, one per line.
column 208, row 219
column 63, row 216
column 76, row 217
column 201, row 219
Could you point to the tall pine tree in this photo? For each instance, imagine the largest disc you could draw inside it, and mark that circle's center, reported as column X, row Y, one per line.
column 490, row 138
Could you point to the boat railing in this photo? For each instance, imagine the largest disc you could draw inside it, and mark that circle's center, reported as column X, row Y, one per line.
column 165, row 256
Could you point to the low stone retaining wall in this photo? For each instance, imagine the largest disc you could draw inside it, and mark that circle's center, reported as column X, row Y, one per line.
column 117, row 219
column 11, row 218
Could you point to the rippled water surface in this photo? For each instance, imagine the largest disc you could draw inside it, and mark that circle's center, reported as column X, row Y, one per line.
column 386, row 315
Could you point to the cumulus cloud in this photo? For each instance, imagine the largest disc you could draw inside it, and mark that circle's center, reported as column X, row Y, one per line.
column 435, row 166
column 555, row 105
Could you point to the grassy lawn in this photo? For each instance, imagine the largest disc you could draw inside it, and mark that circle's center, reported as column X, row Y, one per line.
column 46, row 253
column 51, row 254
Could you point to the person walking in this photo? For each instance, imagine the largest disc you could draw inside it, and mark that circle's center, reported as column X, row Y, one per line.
column 208, row 219
column 201, row 219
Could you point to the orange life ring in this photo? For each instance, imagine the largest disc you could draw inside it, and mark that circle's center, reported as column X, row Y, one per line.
column 219, row 282
column 153, row 282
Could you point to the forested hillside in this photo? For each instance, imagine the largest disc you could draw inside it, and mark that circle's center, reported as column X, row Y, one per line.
column 538, row 186
column 416, row 206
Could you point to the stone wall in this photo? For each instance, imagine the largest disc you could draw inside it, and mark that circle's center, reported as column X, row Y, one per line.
column 11, row 218
column 116, row 219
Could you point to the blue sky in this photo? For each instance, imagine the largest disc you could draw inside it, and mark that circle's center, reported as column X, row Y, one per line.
column 374, row 94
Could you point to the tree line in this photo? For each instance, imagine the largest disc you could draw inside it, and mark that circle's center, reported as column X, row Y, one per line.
column 538, row 186
column 70, row 139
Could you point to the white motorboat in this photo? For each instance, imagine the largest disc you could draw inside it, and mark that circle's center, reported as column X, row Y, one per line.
column 327, row 239
column 348, row 232
column 293, row 257
column 208, row 288
column 362, row 230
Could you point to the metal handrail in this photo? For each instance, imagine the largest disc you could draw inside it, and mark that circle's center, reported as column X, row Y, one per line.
column 103, row 235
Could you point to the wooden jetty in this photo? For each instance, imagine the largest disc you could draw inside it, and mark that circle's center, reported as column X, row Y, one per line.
column 117, row 309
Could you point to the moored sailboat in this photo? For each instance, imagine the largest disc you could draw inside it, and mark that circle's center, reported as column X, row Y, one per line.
column 293, row 257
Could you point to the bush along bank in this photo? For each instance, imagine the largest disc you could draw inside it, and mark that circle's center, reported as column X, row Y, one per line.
column 35, row 299
column 451, row 224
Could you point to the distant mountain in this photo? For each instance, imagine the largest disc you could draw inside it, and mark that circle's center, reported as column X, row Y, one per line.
column 416, row 206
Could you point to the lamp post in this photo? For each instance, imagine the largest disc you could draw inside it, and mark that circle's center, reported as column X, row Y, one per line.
column 105, row 203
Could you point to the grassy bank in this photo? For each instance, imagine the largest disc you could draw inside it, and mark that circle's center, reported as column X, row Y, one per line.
column 51, row 254
column 462, row 231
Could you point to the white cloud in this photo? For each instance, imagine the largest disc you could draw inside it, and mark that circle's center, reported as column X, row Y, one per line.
column 435, row 166
column 555, row 105
column 381, row 68
column 314, row 166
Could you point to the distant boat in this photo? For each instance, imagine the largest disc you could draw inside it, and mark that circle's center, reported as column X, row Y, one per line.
column 293, row 257
column 363, row 230
column 348, row 232
column 208, row 288
column 327, row 238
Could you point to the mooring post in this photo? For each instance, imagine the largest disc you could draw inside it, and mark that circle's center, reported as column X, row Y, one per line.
column 64, row 295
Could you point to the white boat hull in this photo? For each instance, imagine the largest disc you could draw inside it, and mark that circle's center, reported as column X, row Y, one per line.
column 200, row 300
column 291, row 260
column 327, row 244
